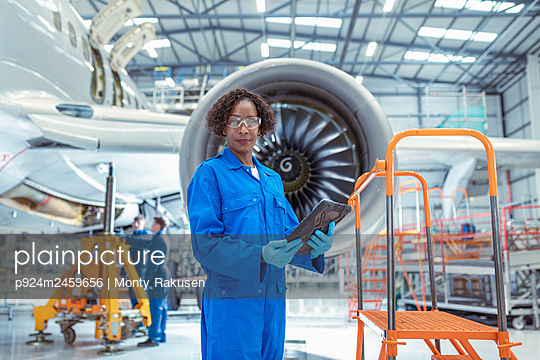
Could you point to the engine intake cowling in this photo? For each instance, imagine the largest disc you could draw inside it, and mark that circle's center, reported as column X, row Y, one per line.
column 329, row 131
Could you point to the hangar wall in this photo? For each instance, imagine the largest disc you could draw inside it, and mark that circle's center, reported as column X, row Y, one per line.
column 406, row 111
column 517, row 122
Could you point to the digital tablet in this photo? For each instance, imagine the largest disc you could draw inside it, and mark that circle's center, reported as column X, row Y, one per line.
column 319, row 218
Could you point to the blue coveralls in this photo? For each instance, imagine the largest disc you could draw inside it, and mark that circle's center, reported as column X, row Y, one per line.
column 136, row 253
column 157, row 295
column 232, row 216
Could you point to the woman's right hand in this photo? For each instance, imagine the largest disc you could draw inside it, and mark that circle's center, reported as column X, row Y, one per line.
column 280, row 252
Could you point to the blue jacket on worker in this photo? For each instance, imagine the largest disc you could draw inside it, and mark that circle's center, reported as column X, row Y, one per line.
column 136, row 253
column 233, row 216
column 158, row 295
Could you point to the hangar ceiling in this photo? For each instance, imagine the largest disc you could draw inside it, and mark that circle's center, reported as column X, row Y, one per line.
column 418, row 42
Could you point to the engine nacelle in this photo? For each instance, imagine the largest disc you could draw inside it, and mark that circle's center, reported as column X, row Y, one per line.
column 330, row 130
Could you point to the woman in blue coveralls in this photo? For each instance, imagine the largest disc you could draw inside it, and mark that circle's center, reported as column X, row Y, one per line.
column 239, row 217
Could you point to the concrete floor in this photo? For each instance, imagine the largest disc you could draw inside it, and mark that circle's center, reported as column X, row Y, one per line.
column 326, row 335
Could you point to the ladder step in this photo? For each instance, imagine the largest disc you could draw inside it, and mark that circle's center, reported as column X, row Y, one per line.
column 450, row 357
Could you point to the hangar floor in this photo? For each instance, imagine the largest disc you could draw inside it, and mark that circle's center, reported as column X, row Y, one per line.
column 325, row 336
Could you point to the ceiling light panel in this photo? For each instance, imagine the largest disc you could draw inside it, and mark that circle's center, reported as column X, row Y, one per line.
column 261, row 6
column 307, row 21
column 301, row 45
column 511, row 7
column 326, row 47
column 451, row 4
column 432, row 57
column 468, row 59
column 265, row 50
column 483, row 6
column 484, row 36
column 151, row 51
column 319, row 21
column 431, row 32
column 279, row 43
column 388, row 5
column 416, row 55
column 370, row 51
column 439, row 58
column 279, row 20
column 456, row 34
column 158, row 43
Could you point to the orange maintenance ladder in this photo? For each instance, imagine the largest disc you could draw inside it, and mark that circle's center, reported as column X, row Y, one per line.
column 394, row 325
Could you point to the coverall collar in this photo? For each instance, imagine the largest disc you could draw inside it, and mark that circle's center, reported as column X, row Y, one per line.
column 231, row 160
column 233, row 163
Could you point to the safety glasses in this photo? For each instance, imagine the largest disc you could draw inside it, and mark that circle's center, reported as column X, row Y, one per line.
column 250, row 122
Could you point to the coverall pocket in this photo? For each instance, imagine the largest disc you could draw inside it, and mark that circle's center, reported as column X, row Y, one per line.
column 240, row 323
column 225, row 286
column 241, row 206
column 239, row 202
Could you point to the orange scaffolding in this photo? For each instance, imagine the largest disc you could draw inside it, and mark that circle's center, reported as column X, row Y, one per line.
column 395, row 325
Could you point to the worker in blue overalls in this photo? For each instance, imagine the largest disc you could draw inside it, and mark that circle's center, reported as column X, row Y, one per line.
column 136, row 253
column 156, row 269
column 239, row 217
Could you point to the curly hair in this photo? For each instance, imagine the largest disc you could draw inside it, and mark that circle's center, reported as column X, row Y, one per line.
column 216, row 118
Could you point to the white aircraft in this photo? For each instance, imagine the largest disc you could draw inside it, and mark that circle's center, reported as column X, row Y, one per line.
column 67, row 109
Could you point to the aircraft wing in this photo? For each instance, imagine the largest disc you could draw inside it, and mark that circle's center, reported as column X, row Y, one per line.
column 97, row 127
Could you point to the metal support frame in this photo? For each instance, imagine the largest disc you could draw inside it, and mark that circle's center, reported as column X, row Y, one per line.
column 534, row 291
column 339, row 15
column 352, row 22
column 110, row 202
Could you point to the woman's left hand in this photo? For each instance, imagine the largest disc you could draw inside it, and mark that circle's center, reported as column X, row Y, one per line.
column 321, row 242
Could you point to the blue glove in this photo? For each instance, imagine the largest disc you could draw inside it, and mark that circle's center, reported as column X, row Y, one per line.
column 321, row 242
column 280, row 252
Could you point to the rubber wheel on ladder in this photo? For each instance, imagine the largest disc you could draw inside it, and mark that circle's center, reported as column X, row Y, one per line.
column 519, row 323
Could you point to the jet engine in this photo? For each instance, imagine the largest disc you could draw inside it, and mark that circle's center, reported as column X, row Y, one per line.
column 329, row 131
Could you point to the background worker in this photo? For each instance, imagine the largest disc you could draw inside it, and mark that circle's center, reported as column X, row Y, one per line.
column 239, row 217
column 136, row 252
column 158, row 296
